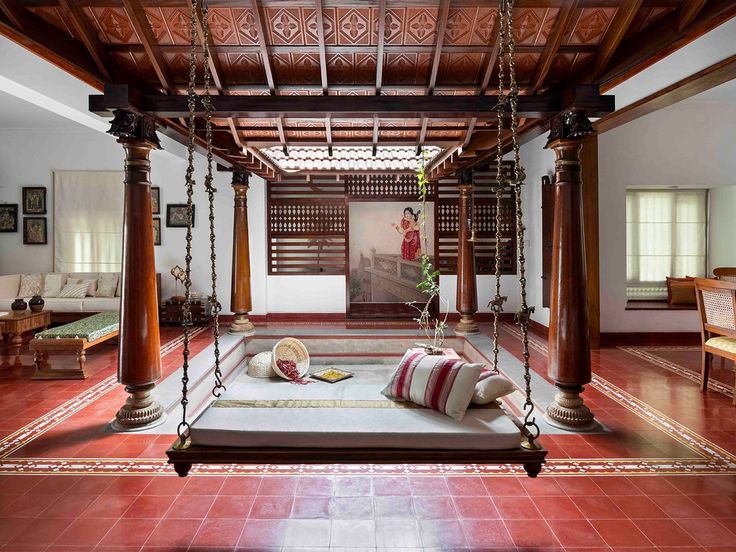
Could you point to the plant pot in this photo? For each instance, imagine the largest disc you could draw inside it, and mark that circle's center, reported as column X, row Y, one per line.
column 19, row 305
column 36, row 303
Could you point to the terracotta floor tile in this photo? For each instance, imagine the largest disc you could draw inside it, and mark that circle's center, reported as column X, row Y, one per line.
column 174, row 533
column 516, row 507
column 638, row 507
column 466, row 486
column 271, row 507
column 665, row 532
column 149, row 506
column 351, row 507
column 311, row 507
column 531, row 535
column 391, row 486
column 576, row 534
column 487, row 534
column 557, row 507
column 263, row 533
column 427, row 507
column 442, row 534
column 129, row 532
column 314, row 486
column 348, row 486
column 679, row 507
column 393, row 507
column 598, row 507
column 218, row 532
column 230, row 506
column 708, row 532
column 190, row 507
column 471, row 507
column 85, row 531
column 278, row 485
column 241, row 485
column 620, row 533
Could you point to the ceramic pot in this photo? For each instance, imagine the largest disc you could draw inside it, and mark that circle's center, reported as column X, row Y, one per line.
column 36, row 303
column 19, row 305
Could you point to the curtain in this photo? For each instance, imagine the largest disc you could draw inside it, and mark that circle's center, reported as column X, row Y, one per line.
column 88, row 221
column 665, row 236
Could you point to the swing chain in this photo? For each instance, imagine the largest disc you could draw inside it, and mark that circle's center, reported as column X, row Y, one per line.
column 523, row 316
column 497, row 302
column 184, row 429
column 219, row 387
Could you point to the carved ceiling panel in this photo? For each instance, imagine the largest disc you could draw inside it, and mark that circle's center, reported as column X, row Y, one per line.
column 243, row 68
column 407, row 68
column 113, row 25
column 533, row 25
column 589, row 26
column 460, row 68
column 351, row 68
column 296, row 68
column 411, row 26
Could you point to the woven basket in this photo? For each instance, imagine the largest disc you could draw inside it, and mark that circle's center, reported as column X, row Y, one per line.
column 290, row 349
column 260, row 366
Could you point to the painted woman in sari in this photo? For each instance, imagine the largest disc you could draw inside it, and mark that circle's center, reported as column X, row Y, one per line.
column 410, row 246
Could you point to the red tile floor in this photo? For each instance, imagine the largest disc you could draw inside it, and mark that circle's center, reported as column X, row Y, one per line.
column 663, row 478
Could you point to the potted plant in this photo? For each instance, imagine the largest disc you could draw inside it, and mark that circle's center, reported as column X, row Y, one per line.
column 432, row 326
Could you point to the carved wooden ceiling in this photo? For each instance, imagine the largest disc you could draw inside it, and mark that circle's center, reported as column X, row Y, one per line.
column 359, row 47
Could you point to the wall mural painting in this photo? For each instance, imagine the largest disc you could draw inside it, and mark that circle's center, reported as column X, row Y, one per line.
column 385, row 251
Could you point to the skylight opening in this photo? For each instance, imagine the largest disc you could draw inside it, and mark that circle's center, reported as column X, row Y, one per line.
column 350, row 158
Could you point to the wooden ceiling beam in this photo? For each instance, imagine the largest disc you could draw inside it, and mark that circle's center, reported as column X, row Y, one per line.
column 615, row 34
column 328, row 135
column 321, row 44
column 144, row 31
column 689, row 10
column 44, row 39
column 583, row 97
column 551, row 48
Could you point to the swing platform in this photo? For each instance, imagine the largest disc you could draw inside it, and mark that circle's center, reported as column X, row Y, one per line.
column 275, row 422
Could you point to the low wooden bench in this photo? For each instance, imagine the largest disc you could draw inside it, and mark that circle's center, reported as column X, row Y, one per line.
column 75, row 337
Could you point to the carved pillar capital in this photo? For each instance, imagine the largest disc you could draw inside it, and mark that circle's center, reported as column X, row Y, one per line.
column 569, row 125
column 127, row 125
column 467, row 176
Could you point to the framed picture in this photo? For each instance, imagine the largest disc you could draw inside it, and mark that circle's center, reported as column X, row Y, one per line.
column 156, row 230
column 34, row 230
column 34, row 200
column 9, row 217
column 176, row 215
column 156, row 199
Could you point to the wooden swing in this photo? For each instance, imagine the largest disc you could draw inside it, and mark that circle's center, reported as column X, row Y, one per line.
column 528, row 453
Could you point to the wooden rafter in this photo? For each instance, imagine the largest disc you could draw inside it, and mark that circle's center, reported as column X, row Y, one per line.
column 282, row 135
column 616, row 31
column 49, row 42
column 562, row 22
column 328, row 135
column 375, row 135
column 140, row 23
column 689, row 10
column 263, row 47
column 436, row 57
column 323, row 68
column 380, row 46
column 88, row 36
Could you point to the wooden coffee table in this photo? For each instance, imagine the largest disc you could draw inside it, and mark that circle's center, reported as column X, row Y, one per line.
column 15, row 324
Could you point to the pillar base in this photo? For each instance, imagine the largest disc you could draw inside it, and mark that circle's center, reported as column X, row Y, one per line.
column 140, row 411
column 569, row 412
column 242, row 326
column 467, row 325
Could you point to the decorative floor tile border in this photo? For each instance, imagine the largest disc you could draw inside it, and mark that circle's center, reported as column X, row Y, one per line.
column 645, row 353
column 719, row 459
column 11, row 443
column 714, row 459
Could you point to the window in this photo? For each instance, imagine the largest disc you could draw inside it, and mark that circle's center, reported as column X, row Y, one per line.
column 88, row 221
column 665, row 236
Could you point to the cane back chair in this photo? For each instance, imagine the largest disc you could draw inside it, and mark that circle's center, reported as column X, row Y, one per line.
column 717, row 307
column 725, row 273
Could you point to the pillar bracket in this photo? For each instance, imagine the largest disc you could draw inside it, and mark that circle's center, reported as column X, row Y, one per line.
column 127, row 125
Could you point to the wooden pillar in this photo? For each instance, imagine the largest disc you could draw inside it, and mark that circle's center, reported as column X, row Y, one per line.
column 240, row 298
column 569, row 341
column 139, row 357
column 466, row 297
column 589, row 168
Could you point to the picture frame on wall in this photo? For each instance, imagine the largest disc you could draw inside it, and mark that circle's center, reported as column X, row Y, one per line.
column 34, row 200
column 156, row 199
column 8, row 217
column 34, row 231
column 176, row 215
column 156, row 230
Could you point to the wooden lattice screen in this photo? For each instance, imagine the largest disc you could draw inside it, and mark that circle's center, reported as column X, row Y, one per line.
column 307, row 220
column 307, row 227
column 485, row 226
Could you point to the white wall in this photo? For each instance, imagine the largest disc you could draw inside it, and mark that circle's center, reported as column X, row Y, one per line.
column 722, row 227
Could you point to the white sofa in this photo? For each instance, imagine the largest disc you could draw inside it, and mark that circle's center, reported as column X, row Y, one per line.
column 10, row 285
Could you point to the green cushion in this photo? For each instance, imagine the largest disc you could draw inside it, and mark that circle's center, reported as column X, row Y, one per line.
column 91, row 329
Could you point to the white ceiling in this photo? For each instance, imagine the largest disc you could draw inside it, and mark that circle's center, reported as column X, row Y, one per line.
column 16, row 113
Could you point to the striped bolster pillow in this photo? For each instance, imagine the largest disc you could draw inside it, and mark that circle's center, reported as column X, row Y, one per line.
column 437, row 382
column 76, row 291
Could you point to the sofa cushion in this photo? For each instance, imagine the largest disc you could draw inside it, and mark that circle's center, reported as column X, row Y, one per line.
column 101, row 304
column 91, row 284
column 31, row 284
column 53, row 283
column 9, row 286
column 107, row 283
column 61, row 304
column 74, row 291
